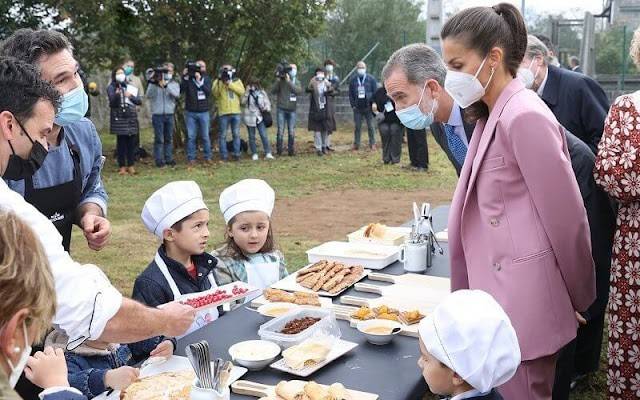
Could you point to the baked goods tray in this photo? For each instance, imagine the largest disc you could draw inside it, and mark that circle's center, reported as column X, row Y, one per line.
column 290, row 284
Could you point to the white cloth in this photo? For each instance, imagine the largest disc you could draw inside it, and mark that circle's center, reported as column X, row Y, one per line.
column 247, row 195
column 455, row 120
column 544, row 82
column 170, row 204
column 472, row 335
column 57, row 389
column 204, row 316
column 261, row 275
column 86, row 300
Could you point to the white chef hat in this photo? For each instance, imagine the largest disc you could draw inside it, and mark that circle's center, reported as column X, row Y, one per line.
column 472, row 335
column 246, row 195
column 171, row 203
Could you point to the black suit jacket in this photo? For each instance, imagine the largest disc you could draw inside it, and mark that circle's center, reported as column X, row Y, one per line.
column 437, row 129
column 601, row 216
column 578, row 102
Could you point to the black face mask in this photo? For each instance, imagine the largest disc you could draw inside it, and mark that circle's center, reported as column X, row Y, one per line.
column 19, row 168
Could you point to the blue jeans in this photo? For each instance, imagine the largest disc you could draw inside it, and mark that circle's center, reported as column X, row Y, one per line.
column 223, row 122
column 198, row 122
column 357, row 119
column 262, row 130
column 163, row 142
column 289, row 118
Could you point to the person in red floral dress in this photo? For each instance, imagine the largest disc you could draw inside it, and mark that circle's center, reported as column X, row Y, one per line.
column 617, row 171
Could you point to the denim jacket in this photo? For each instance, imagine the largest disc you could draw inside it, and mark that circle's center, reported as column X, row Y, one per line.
column 58, row 166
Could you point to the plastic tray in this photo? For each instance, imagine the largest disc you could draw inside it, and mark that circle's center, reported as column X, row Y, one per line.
column 326, row 327
column 369, row 255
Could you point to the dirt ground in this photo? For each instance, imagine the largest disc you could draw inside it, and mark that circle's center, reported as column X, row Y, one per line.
column 332, row 215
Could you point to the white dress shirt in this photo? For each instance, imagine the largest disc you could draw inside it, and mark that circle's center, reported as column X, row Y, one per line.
column 455, row 120
column 86, row 300
column 544, row 83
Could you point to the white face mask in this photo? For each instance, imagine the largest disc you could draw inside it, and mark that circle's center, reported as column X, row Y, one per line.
column 526, row 76
column 329, row 68
column 16, row 370
column 465, row 88
column 120, row 77
column 361, row 71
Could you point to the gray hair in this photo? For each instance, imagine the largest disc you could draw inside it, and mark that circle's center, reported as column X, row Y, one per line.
column 419, row 62
column 536, row 48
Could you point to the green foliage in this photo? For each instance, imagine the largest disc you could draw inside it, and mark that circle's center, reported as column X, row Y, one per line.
column 251, row 34
column 612, row 47
column 356, row 25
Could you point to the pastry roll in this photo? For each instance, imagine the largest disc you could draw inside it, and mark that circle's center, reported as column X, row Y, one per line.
column 316, row 392
column 291, row 390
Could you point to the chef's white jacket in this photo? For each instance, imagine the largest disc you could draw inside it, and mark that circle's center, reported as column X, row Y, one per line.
column 86, row 300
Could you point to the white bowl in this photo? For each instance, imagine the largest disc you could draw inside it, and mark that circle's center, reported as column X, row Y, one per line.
column 268, row 308
column 254, row 354
column 378, row 338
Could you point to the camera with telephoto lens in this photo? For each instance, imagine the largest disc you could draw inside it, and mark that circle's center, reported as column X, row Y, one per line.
column 227, row 74
column 192, row 68
column 158, row 74
column 283, row 69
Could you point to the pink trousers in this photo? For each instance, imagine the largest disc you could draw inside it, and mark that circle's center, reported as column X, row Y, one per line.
column 533, row 380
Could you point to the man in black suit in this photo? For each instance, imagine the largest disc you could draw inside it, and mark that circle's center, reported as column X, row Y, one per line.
column 574, row 63
column 415, row 74
column 577, row 101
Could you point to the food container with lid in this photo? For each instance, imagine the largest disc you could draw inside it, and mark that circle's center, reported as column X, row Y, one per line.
column 369, row 255
column 326, row 327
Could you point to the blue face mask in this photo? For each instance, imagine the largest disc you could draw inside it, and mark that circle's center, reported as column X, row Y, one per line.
column 128, row 70
column 74, row 106
column 293, row 73
column 413, row 118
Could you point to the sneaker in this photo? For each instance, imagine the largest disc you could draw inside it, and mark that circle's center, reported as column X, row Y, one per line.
column 269, row 156
column 123, row 171
column 319, row 153
column 325, row 151
column 355, row 148
column 235, row 158
column 255, row 157
column 331, row 149
column 131, row 170
column 171, row 163
column 292, row 153
column 192, row 164
column 374, row 147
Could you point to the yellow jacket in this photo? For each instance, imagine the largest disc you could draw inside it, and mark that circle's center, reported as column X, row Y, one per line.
column 227, row 97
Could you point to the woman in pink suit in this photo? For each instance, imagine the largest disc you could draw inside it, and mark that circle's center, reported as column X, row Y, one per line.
column 517, row 228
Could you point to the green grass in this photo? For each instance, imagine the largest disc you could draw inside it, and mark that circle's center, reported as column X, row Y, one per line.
column 131, row 247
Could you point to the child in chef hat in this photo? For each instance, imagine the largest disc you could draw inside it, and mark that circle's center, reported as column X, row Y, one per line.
column 177, row 215
column 468, row 347
column 249, row 254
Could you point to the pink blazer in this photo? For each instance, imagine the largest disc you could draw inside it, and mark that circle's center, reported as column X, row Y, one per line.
column 518, row 228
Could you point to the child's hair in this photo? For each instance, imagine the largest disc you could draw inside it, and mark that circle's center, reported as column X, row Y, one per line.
column 231, row 249
column 24, row 269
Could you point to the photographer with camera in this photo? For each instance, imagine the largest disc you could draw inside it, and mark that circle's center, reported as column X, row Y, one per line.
column 227, row 91
column 287, row 89
column 256, row 102
column 163, row 92
column 196, row 85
